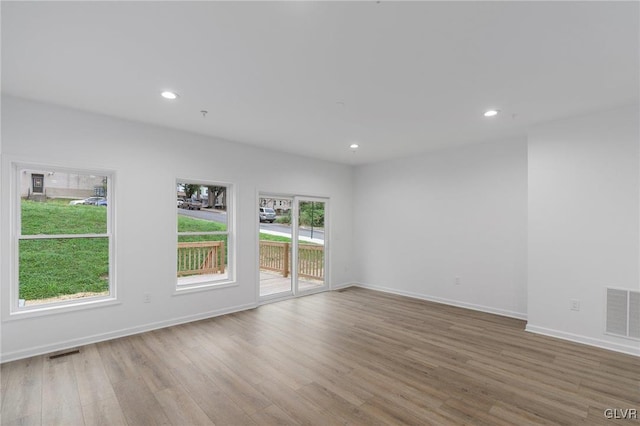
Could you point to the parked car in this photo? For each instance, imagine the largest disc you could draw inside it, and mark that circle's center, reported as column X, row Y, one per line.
column 267, row 214
column 91, row 201
column 191, row 204
column 102, row 203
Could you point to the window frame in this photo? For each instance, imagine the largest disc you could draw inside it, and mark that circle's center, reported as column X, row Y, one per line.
column 15, row 310
column 209, row 283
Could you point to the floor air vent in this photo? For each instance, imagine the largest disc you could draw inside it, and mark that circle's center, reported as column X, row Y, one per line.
column 623, row 313
column 64, row 353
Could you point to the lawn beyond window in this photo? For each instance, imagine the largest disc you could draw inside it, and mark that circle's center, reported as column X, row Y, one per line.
column 63, row 236
column 58, row 217
column 55, row 267
column 190, row 224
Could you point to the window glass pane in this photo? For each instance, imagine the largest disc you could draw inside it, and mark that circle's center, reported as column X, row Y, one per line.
column 275, row 247
column 201, row 208
column 57, row 269
column 202, row 258
column 311, row 252
column 55, row 202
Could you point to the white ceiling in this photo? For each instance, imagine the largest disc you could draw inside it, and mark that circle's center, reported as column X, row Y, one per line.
column 311, row 78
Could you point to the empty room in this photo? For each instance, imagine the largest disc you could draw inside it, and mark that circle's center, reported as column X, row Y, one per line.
column 365, row 213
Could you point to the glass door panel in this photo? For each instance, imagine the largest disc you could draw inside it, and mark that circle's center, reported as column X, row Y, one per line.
column 275, row 246
column 310, row 254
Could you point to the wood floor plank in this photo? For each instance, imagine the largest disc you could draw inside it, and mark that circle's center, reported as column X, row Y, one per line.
column 272, row 415
column 171, row 356
column 93, row 383
column 391, row 414
column 515, row 415
column 234, row 386
column 63, row 416
column 151, row 366
column 219, row 407
column 180, row 408
column 26, row 420
column 139, row 405
column 116, row 359
column 104, row 412
column 343, row 386
column 59, row 386
column 22, row 401
column 303, row 411
column 350, row 357
column 337, row 405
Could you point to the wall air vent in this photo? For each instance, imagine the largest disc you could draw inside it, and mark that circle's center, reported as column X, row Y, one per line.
column 623, row 313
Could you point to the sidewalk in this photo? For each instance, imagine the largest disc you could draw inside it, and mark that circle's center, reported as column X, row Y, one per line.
column 284, row 234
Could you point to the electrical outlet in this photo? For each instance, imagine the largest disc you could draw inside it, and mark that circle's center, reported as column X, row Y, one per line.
column 147, row 298
column 457, row 280
column 575, row 305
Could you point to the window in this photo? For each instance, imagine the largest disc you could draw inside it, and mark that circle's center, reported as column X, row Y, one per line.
column 64, row 237
column 205, row 244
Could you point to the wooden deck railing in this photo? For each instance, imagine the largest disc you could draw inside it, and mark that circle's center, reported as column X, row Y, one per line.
column 276, row 256
column 208, row 257
column 311, row 261
column 203, row 257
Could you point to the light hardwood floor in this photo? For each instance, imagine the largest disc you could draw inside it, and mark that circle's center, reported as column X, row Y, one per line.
column 349, row 357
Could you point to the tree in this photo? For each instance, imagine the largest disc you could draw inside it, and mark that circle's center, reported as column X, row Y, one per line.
column 216, row 192
column 312, row 213
column 190, row 189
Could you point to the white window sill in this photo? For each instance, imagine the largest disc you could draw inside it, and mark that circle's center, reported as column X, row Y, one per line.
column 61, row 307
column 197, row 283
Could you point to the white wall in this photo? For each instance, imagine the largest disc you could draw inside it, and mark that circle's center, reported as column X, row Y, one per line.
column 455, row 213
column 523, row 235
column 583, row 222
column 147, row 160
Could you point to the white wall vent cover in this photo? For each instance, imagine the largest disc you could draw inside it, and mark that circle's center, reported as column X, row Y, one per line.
column 623, row 313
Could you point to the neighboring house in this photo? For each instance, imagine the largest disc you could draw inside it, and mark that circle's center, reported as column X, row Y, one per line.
column 280, row 206
column 39, row 184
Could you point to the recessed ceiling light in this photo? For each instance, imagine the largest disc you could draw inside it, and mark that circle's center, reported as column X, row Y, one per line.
column 491, row 113
column 168, row 95
column 354, row 146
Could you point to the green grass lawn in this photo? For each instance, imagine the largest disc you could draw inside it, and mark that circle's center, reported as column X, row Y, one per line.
column 55, row 267
column 190, row 224
column 58, row 217
column 269, row 237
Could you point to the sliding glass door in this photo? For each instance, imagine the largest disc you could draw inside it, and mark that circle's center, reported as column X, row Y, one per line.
column 292, row 245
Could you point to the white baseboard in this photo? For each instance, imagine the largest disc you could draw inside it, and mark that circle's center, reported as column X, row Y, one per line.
column 342, row 285
column 481, row 308
column 45, row 349
column 603, row 344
